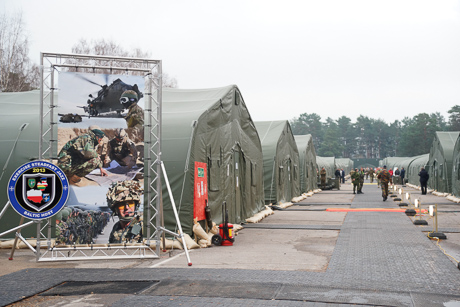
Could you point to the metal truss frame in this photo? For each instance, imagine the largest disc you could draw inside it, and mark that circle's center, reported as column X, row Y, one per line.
column 52, row 63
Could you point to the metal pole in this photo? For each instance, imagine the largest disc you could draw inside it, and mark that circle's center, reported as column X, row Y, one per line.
column 16, row 228
column 42, row 85
column 436, row 217
column 4, row 210
column 181, row 234
column 38, row 254
column 51, row 116
column 16, row 239
column 148, row 152
column 159, row 185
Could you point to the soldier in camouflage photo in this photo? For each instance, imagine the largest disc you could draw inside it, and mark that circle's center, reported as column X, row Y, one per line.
column 62, row 228
column 78, row 157
column 121, row 149
column 135, row 117
column 124, row 199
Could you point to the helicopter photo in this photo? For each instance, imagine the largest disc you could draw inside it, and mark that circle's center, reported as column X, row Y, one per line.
column 108, row 98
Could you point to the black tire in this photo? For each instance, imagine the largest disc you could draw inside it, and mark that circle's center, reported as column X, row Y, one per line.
column 216, row 240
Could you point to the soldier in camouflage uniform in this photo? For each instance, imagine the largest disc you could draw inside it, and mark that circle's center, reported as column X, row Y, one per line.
column 354, row 174
column 121, row 149
column 371, row 174
column 135, row 116
column 323, row 178
column 384, row 177
column 79, row 157
column 377, row 173
column 361, row 181
column 62, row 229
column 124, row 198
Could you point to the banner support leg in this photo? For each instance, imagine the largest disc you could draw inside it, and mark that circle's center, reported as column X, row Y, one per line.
column 16, row 238
column 173, row 205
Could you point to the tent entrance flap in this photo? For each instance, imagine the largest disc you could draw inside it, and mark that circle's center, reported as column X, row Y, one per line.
column 237, row 165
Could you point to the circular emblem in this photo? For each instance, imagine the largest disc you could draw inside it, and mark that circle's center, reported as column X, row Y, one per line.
column 38, row 190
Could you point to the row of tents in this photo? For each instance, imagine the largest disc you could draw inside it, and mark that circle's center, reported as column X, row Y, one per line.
column 250, row 164
column 442, row 164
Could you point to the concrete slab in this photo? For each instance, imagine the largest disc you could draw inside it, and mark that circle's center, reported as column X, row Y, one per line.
column 262, row 249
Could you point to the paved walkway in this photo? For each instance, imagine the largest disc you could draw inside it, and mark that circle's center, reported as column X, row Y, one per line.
column 380, row 259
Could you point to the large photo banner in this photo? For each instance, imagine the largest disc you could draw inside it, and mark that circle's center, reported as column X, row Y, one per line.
column 101, row 151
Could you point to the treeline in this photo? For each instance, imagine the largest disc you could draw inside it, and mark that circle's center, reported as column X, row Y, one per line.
column 374, row 138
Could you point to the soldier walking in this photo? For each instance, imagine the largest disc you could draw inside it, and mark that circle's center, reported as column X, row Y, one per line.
column 361, row 181
column 354, row 174
column 424, row 176
column 371, row 174
column 384, row 177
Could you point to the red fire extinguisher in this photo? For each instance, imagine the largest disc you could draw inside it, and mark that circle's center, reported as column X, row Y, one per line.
column 225, row 236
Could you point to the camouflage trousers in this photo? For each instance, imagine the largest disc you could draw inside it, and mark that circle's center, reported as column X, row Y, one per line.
column 74, row 166
column 384, row 189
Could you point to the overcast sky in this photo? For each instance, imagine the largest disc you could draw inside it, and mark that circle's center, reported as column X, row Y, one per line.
column 382, row 59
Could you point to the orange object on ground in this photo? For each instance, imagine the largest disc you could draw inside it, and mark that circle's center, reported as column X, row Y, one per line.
column 369, row 210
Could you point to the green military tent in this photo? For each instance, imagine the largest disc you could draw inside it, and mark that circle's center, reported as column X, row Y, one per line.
column 393, row 162
column 211, row 126
column 281, row 161
column 456, row 169
column 307, row 158
column 17, row 109
column 440, row 163
column 344, row 163
column 329, row 165
column 414, row 168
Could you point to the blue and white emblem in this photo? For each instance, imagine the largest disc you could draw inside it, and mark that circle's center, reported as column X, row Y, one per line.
column 38, row 190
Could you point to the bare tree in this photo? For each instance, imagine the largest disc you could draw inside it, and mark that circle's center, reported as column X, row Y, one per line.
column 17, row 72
column 111, row 48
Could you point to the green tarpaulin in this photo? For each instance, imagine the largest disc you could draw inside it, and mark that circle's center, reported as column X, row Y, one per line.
column 211, row 126
column 281, row 161
column 441, row 161
column 344, row 163
column 329, row 165
column 307, row 157
column 414, row 168
column 17, row 109
column 456, row 169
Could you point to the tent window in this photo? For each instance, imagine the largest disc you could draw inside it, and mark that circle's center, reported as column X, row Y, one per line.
column 214, row 175
column 253, row 174
column 280, row 175
column 441, row 173
column 296, row 169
